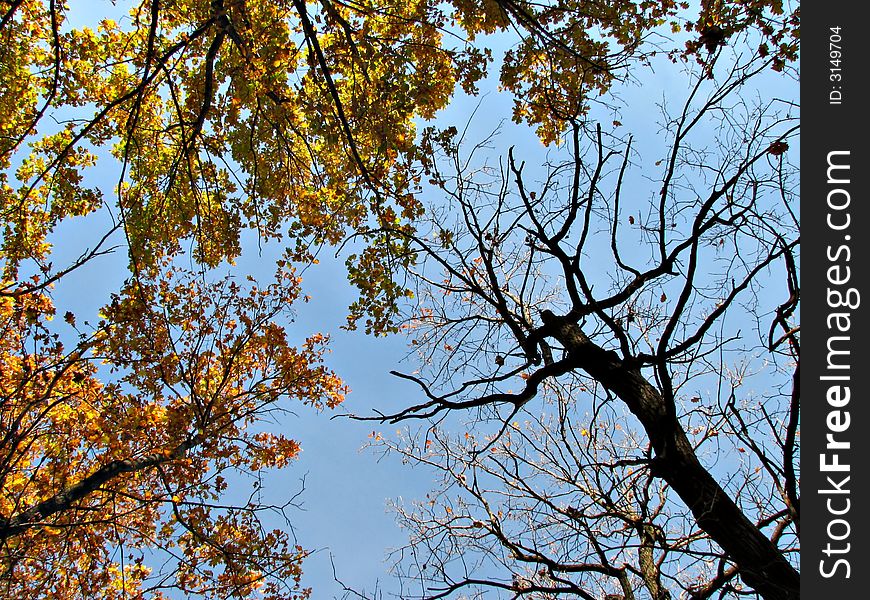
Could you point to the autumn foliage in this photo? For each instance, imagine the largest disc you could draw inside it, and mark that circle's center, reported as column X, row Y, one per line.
column 174, row 136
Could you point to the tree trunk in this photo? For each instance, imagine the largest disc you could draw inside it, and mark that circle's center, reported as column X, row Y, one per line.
column 63, row 500
column 760, row 562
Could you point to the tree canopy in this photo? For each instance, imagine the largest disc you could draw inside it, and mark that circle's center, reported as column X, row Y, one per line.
column 624, row 355
column 185, row 131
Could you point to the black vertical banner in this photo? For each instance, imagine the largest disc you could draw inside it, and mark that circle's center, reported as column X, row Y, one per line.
column 835, row 232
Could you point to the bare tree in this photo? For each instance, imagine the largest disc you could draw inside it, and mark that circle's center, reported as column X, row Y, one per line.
column 609, row 354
